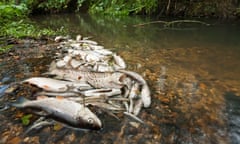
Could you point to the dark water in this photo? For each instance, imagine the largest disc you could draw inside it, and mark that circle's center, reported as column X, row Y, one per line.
column 193, row 71
column 233, row 108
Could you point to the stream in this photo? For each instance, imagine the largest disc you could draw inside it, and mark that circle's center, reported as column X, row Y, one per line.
column 193, row 72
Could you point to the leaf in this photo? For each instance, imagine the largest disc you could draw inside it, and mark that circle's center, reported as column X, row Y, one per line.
column 26, row 119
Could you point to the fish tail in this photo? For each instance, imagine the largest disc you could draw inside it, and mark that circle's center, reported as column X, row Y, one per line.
column 19, row 102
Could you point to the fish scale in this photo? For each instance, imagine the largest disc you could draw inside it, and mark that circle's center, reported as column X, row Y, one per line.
column 69, row 112
column 96, row 79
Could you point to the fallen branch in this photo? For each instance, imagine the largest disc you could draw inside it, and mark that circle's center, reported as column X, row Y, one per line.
column 170, row 23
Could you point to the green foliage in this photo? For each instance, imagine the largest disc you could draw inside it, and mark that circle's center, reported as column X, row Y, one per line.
column 237, row 12
column 79, row 4
column 26, row 119
column 14, row 22
column 5, row 48
column 53, row 5
column 122, row 7
column 24, row 28
column 12, row 12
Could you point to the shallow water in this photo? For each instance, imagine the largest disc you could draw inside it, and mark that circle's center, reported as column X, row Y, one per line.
column 192, row 70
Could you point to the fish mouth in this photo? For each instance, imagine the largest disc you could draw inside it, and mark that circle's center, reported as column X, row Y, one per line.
column 88, row 126
column 96, row 127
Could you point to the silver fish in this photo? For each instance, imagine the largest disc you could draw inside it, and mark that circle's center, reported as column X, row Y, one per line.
column 145, row 91
column 106, row 106
column 62, row 94
column 104, row 52
column 133, row 117
column 119, row 62
column 38, row 124
column 63, row 110
column 137, row 106
column 95, row 79
column 88, row 42
column 134, row 91
column 102, row 92
column 54, row 85
column 134, row 75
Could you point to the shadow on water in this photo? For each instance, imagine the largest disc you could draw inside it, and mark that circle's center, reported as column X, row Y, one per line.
column 189, row 70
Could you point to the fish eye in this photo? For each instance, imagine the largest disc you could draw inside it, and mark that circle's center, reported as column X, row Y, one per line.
column 90, row 120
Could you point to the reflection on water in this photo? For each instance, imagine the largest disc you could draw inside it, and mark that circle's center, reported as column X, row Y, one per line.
column 189, row 72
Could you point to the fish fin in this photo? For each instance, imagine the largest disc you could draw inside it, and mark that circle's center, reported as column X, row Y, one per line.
column 19, row 102
column 110, row 113
column 38, row 124
column 134, row 117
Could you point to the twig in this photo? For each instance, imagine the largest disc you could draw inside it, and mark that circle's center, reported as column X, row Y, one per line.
column 168, row 24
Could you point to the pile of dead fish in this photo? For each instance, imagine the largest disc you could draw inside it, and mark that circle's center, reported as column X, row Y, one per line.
column 86, row 74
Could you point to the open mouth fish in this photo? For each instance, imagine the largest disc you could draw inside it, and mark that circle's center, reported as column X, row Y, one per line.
column 68, row 112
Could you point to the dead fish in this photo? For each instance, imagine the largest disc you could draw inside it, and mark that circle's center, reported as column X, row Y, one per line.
column 92, row 57
column 146, row 96
column 145, row 91
column 76, row 63
column 38, row 124
column 63, row 110
column 119, row 62
column 95, row 79
column 134, row 91
column 61, row 63
column 54, row 85
column 96, row 47
column 130, row 109
column 79, row 37
column 106, row 106
column 137, row 106
column 88, row 42
column 105, row 80
column 102, row 92
column 134, row 117
column 102, row 67
column 62, row 94
column 103, row 51
column 61, row 38
column 134, row 75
